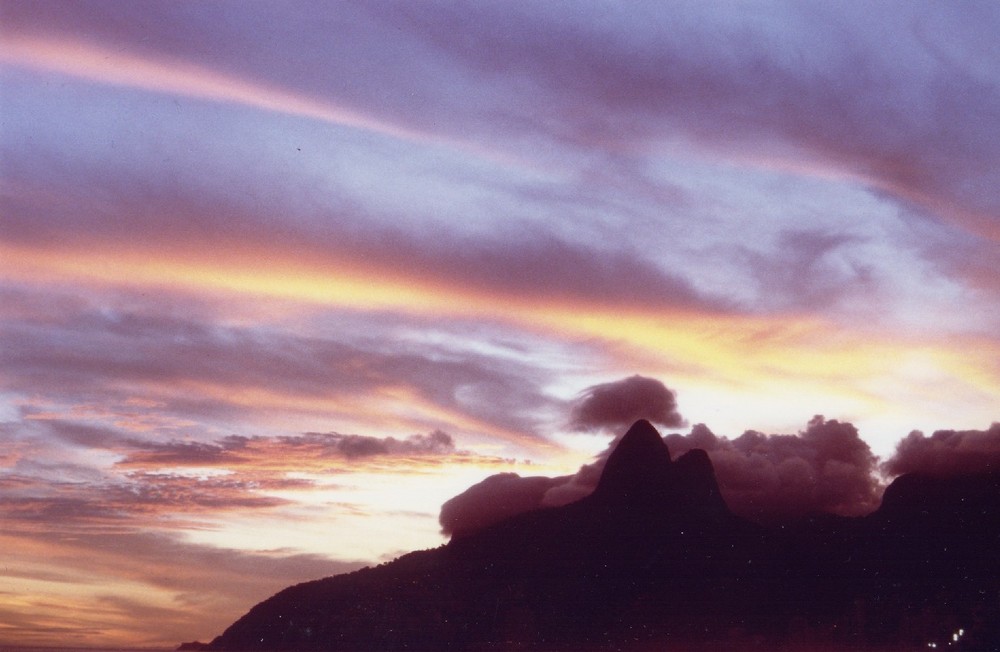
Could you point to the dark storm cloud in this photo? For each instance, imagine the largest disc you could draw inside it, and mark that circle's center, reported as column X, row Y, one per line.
column 620, row 403
column 826, row 468
column 947, row 452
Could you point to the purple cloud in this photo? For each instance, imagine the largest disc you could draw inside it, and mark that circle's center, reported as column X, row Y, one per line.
column 492, row 500
column 947, row 452
column 618, row 404
column 825, row 468
column 82, row 352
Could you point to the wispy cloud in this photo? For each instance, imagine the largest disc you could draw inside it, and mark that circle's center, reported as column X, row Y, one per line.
column 135, row 518
column 146, row 371
column 104, row 65
column 132, row 579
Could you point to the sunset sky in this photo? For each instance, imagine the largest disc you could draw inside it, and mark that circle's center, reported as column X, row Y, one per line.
column 279, row 279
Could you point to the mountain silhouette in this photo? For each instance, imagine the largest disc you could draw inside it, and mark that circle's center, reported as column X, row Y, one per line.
column 653, row 559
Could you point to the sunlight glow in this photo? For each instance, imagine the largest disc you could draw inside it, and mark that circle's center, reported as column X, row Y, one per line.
column 797, row 358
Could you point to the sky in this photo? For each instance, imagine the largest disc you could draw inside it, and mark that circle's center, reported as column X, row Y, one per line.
column 280, row 280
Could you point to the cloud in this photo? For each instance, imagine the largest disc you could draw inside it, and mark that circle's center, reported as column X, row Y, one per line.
column 810, row 89
column 113, row 479
column 229, row 186
column 811, row 269
column 947, row 452
column 116, row 68
column 311, row 451
column 131, row 521
column 158, row 493
column 620, row 403
column 129, row 502
column 132, row 361
column 826, row 468
column 354, row 446
column 151, row 454
column 914, row 121
column 492, row 500
column 134, row 578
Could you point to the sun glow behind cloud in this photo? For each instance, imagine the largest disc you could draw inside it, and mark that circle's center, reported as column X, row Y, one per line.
column 802, row 358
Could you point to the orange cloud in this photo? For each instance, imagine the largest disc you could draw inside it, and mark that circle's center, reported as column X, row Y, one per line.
column 784, row 353
column 131, row 579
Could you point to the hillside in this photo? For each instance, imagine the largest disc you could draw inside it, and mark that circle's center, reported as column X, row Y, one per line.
column 655, row 557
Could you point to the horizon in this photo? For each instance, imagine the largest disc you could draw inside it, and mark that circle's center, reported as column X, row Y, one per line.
column 278, row 284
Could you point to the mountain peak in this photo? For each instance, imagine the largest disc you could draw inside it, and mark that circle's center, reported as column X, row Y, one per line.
column 638, row 466
column 658, row 561
column 640, row 475
column 697, row 486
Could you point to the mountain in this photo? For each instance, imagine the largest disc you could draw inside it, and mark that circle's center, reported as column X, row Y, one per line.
column 654, row 559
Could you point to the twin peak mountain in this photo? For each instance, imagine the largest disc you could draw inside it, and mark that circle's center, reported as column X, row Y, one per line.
column 652, row 559
column 639, row 475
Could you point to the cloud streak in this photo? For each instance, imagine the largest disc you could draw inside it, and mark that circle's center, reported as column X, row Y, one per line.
column 134, row 579
column 114, row 67
column 308, row 452
column 84, row 352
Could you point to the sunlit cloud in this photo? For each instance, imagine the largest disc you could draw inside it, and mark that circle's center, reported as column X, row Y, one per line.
column 132, row 579
column 161, row 529
column 99, row 64
column 786, row 353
